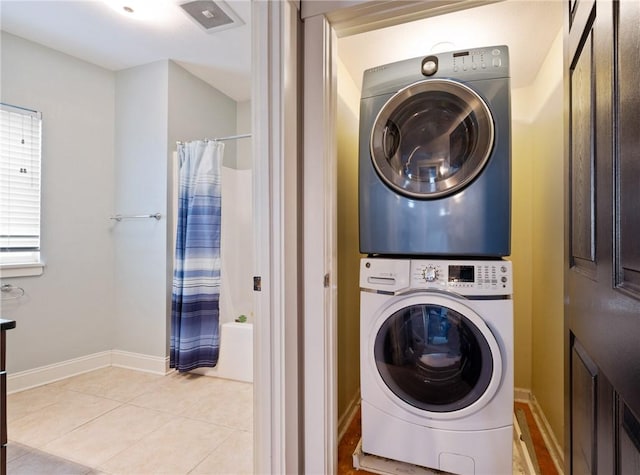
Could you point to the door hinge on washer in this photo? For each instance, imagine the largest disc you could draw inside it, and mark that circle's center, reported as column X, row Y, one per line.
column 327, row 281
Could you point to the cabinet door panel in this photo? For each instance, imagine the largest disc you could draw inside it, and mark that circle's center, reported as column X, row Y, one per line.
column 629, row 441
column 602, row 279
column 583, row 420
column 582, row 158
column 3, row 408
column 628, row 165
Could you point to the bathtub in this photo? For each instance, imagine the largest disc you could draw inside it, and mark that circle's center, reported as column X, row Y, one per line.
column 236, row 353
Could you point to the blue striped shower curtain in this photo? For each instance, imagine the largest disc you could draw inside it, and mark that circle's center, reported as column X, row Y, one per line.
column 195, row 337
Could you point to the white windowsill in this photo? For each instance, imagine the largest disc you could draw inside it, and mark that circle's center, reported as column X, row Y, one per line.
column 21, row 270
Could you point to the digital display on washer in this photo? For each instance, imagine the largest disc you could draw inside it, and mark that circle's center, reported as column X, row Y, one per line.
column 461, row 274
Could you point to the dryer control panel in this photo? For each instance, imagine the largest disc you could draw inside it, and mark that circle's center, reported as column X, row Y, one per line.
column 464, row 277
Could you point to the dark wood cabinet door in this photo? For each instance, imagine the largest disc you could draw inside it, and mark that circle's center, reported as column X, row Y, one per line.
column 602, row 314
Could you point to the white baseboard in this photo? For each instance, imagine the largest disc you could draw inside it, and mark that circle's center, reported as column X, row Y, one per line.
column 522, row 395
column 139, row 362
column 550, row 440
column 54, row 372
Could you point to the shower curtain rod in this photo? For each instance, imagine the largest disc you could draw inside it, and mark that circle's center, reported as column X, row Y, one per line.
column 220, row 139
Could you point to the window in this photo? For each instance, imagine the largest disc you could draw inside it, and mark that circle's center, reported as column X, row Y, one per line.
column 20, row 156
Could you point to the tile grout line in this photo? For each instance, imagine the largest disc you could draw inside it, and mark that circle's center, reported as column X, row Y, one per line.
column 64, row 392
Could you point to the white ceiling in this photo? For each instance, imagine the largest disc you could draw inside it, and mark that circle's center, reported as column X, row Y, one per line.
column 93, row 31
column 528, row 27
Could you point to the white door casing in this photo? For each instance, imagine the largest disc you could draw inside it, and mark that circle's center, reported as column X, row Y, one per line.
column 324, row 21
column 320, row 249
column 277, row 394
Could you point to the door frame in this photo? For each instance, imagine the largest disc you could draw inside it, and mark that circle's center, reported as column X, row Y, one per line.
column 324, row 22
column 276, row 361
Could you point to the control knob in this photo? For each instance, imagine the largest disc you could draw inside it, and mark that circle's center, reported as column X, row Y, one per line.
column 430, row 274
column 429, row 68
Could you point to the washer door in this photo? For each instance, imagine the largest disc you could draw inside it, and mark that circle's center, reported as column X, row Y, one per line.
column 437, row 356
column 432, row 138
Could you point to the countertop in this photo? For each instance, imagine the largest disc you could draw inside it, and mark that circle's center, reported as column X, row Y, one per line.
column 7, row 324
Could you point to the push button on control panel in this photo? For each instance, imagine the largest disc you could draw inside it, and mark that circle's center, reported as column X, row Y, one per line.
column 496, row 61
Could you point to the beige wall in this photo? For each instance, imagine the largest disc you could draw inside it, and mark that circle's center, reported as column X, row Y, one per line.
column 521, row 244
column 537, row 156
column 537, row 239
column 348, row 247
column 548, row 246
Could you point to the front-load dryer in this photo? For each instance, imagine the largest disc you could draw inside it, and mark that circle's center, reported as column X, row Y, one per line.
column 436, row 363
column 435, row 156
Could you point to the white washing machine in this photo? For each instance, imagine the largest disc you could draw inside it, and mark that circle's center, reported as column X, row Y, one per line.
column 436, row 363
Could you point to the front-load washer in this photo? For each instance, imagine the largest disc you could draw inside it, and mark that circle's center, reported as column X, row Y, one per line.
column 435, row 156
column 436, row 363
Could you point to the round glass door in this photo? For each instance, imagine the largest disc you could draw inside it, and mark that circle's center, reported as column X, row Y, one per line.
column 432, row 138
column 434, row 358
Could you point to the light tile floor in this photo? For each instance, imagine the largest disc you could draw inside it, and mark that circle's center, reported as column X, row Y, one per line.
column 119, row 421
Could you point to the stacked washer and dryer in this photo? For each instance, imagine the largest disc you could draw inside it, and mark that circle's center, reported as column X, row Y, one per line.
column 436, row 311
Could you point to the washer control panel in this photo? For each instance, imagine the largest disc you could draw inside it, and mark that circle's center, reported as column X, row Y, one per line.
column 465, row 277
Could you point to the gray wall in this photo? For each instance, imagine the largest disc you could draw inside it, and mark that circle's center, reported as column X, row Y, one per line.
column 66, row 313
column 243, row 152
column 108, row 147
column 141, row 188
column 198, row 111
column 157, row 105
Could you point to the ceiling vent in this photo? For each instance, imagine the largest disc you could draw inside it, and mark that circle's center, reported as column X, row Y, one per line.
column 212, row 16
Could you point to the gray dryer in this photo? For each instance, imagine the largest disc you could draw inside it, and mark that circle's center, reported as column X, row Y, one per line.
column 435, row 156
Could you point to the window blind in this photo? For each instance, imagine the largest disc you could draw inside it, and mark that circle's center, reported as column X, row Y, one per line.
column 20, row 160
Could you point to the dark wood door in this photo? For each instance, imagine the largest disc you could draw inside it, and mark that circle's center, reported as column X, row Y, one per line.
column 602, row 371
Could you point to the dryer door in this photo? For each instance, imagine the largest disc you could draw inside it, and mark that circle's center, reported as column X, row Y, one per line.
column 432, row 138
column 436, row 355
